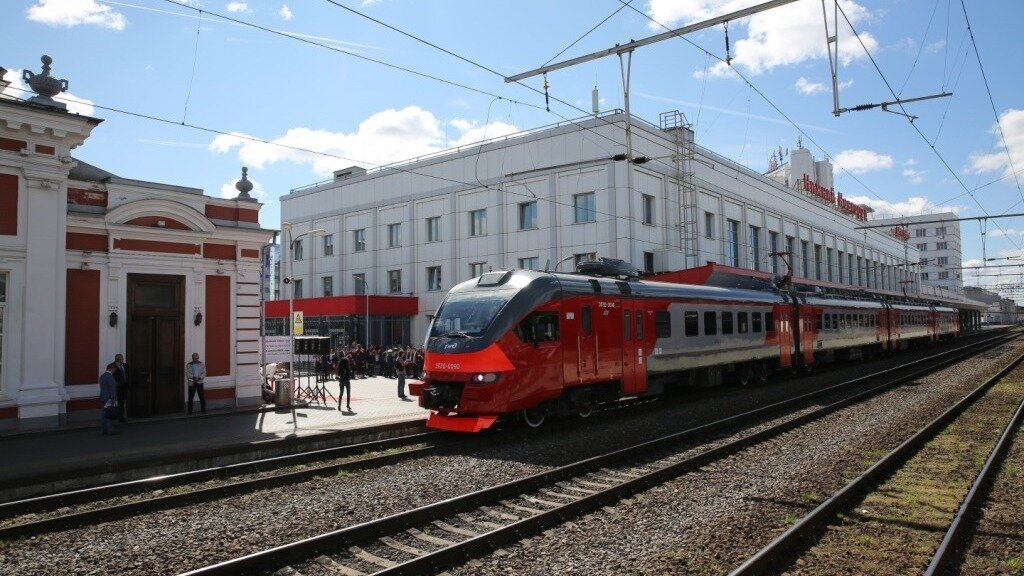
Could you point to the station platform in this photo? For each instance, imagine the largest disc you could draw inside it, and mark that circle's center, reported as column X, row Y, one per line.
column 80, row 448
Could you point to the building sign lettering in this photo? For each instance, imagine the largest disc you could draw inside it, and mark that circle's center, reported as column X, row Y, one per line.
column 899, row 232
column 829, row 196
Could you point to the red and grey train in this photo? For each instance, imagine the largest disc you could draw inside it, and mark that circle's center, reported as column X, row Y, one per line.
column 535, row 344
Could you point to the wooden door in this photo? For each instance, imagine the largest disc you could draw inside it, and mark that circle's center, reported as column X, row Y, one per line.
column 156, row 344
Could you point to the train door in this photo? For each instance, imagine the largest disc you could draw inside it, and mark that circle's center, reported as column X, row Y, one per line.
column 634, row 375
column 808, row 333
column 783, row 329
column 580, row 341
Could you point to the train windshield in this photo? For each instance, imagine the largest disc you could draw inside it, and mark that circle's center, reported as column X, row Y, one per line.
column 468, row 314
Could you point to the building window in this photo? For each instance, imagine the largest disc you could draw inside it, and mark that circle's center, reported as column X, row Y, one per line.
column 649, row 262
column 531, row 263
column 478, row 222
column 849, row 266
column 328, row 245
column 434, row 229
column 297, row 291
column 940, row 231
column 773, row 245
column 920, row 232
column 394, row 281
column 860, row 270
column 828, row 263
column 754, row 249
column 433, row 278
column 942, row 246
column 585, row 257
column 585, row 207
column 394, row 235
column 359, row 284
column 528, row 215
column 732, row 242
column 839, row 265
column 648, row 202
column 817, row 261
column 476, row 269
column 297, row 250
column 922, row 246
column 943, row 275
column 924, row 275
column 805, row 258
column 791, row 250
column 328, row 285
column 942, row 260
column 359, row 240
column 709, row 225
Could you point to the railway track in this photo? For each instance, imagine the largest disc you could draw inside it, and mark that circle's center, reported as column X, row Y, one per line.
column 912, row 506
column 447, row 533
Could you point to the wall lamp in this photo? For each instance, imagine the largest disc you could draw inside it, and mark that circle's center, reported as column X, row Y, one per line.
column 198, row 319
column 113, row 318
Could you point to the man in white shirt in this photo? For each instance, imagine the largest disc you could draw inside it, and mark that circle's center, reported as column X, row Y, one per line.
column 195, row 376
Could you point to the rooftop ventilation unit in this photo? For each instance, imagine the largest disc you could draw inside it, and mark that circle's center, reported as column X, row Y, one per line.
column 350, row 172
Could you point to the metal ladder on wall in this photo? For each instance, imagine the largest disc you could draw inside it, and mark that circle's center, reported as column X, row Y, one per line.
column 675, row 123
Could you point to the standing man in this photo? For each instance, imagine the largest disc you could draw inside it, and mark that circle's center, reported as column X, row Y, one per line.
column 195, row 375
column 108, row 397
column 121, row 376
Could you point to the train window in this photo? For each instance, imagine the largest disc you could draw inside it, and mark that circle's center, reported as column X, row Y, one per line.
column 755, row 321
column 849, row 320
column 627, row 325
column 585, row 320
column 539, row 327
column 710, row 324
column 741, row 323
column 769, row 322
column 690, row 322
column 662, row 325
column 819, row 322
column 726, row 322
column 640, row 325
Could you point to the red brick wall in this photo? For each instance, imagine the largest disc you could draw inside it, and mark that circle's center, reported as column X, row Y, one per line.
column 81, row 327
column 218, row 251
column 82, row 241
column 218, row 325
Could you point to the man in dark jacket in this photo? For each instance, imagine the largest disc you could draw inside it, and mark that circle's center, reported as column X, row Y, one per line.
column 108, row 397
column 344, row 382
column 121, row 377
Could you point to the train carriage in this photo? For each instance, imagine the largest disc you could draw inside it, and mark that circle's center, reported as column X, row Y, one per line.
column 533, row 344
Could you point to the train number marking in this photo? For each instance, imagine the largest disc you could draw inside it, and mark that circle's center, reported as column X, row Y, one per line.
column 447, row 365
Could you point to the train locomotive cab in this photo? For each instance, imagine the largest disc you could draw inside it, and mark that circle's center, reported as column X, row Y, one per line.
column 490, row 349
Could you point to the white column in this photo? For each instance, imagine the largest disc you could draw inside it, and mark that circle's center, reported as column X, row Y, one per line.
column 41, row 394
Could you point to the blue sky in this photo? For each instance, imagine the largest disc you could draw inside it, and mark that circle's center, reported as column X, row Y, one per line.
column 310, row 81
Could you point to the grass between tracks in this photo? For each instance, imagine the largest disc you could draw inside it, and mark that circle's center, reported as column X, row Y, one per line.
column 897, row 528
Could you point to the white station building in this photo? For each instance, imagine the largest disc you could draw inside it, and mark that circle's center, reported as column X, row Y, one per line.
column 937, row 239
column 576, row 191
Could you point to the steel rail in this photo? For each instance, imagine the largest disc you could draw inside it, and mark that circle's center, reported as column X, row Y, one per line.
column 954, row 538
column 52, row 501
column 781, row 551
column 309, row 548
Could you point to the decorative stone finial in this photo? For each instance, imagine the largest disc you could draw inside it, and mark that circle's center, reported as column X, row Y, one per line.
column 244, row 186
column 45, row 86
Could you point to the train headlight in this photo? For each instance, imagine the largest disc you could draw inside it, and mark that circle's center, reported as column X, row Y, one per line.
column 485, row 378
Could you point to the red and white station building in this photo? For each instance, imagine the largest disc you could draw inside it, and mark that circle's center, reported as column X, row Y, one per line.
column 92, row 265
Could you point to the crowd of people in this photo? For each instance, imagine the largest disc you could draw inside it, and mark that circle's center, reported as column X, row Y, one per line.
column 373, row 361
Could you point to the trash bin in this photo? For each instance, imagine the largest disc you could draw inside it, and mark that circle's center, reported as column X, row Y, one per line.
column 283, row 393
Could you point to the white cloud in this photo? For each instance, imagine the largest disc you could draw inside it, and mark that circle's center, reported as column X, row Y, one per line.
column 910, row 207
column 1012, row 122
column 782, row 36
column 912, row 174
column 1006, row 232
column 385, row 137
column 861, row 161
column 69, row 13
column 805, row 86
column 935, row 47
column 915, row 176
column 237, row 7
column 18, row 89
column 227, row 190
column 285, row 13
